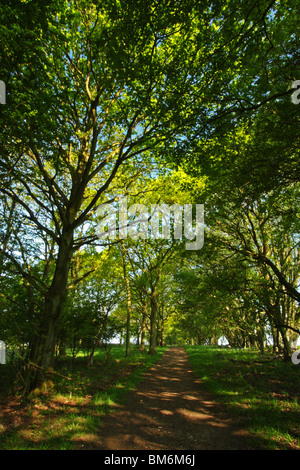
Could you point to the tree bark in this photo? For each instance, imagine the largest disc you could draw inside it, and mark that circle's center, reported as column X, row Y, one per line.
column 127, row 284
column 153, row 305
column 143, row 330
column 43, row 348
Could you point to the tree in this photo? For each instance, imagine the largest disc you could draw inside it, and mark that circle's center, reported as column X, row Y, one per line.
column 148, row 259
column 112, row 82
column 262, row 237
column 128, row 292
column 100, row 106
column 256, row 67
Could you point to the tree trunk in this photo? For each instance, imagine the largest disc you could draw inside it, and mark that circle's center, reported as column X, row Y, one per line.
column 162, row 327
column 121, row 338
column 43, row 348
column 127, row 354
column 286, row 346
column 143, row 331
column 98, row 339
column 153, row 305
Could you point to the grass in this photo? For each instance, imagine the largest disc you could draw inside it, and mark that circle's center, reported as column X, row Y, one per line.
column 69, row 416
column 263, row 396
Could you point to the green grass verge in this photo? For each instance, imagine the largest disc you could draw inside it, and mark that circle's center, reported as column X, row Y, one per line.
column 69, row 416
column 265, row 396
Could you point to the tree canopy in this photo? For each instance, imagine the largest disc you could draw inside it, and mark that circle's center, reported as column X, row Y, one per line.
column 178, row 102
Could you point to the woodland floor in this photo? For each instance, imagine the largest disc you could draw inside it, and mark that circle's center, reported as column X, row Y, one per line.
column 169, row 410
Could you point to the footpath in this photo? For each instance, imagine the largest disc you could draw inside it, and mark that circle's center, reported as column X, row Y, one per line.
column 170, row 410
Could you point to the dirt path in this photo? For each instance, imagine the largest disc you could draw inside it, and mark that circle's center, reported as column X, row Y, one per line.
column 170, row 411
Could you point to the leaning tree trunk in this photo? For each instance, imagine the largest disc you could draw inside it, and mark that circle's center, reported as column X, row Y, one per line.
column 43, row 347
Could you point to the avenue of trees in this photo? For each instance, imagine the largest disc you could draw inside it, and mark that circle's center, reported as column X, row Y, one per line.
column 164, row 102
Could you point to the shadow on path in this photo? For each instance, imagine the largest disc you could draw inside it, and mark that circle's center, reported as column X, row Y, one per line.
column 169, row 410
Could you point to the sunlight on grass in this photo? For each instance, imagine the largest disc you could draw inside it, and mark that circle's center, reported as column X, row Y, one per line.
column 103, row 399
column 264, row 396
column 70, row 415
